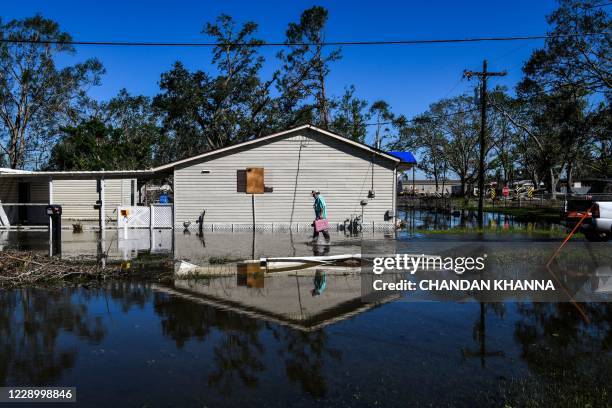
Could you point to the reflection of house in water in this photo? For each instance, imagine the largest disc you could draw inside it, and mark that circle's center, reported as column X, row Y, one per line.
column 282, row 298
column 598, row 284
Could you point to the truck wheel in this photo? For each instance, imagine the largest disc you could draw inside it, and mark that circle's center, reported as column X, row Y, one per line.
column 596, row 236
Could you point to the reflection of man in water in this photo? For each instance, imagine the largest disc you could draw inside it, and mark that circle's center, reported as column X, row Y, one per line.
column 320, row 282
column 320, row 250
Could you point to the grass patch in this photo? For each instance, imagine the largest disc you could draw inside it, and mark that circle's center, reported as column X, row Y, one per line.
column 530, row 214
column 562, row 387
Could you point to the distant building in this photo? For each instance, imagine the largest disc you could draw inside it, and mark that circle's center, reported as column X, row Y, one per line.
column 428, row 187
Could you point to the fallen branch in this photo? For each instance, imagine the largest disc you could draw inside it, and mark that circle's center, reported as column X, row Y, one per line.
column 17, row 268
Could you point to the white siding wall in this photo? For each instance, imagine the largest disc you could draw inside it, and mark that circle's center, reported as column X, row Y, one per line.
column 77, row 197
column 342, row 172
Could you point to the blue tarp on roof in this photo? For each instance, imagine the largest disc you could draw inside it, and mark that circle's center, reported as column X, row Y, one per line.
column 405, row 157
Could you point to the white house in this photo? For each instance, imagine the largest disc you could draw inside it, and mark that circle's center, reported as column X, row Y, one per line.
column 351, row 176
column 264, row 182
column 25, row 194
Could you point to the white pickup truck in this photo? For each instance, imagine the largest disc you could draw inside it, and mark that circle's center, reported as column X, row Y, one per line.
column 600, row 228
column 596, row 206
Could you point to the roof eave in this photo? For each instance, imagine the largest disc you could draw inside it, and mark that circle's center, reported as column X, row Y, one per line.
column 92, row 175
column 272, row 136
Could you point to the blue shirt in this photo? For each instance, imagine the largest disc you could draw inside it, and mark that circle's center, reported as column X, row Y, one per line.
column 320, row 207
column 320, row 282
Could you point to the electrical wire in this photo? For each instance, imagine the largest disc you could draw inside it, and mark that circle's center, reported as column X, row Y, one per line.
column 293, row 44
column 432, row 117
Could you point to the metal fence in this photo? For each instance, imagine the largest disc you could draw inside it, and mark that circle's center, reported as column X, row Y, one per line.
column 556, row 201
column 539, row 200
column 549, row 201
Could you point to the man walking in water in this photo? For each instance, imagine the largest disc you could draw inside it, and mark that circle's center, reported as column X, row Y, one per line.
column 320, row 210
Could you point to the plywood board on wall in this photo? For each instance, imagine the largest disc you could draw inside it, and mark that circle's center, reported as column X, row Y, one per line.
column 255, row 180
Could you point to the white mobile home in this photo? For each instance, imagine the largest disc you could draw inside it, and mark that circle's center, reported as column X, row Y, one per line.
column 351, row 176
column 25, row 194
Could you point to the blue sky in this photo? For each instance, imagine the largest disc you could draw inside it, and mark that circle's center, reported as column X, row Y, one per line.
column 408, row 77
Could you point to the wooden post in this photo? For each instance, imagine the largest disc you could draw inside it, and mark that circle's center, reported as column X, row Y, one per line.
column 483, row 140
column 483, row 75
column 413, row 190
column 253, row 209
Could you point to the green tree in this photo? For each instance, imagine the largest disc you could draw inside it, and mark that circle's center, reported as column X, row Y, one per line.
column 598, row 159
column 135, row 118
column 201, row 112
column 503, row 136
column 461, row 125
column 426, row 138
column 35, row 95
column 93, row 145
column 350, row 116
column 380, row 112
column 560, row 82
column 447, row 137
column 183, row 107
column 556, row 131
column 569, row 60
column 304, row 96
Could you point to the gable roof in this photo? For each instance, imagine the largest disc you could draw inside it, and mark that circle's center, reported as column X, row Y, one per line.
column 398, row 157
column 278, row 135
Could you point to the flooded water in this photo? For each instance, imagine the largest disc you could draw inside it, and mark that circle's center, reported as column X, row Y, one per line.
column 423, row 220
column 223, row 246
column 298, row 339
column 229, row 246
column 138, row 344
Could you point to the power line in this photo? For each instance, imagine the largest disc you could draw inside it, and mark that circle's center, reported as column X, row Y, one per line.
column 453, row 88
column 426, row 117
column 292, row 44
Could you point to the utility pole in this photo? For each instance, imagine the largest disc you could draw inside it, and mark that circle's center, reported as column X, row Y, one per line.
column 483, row 75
